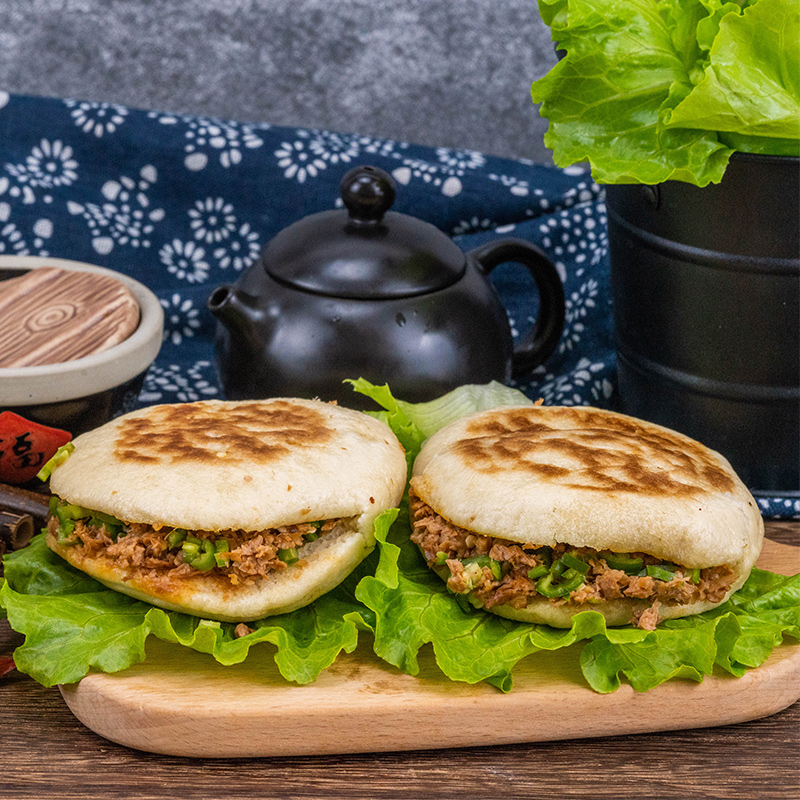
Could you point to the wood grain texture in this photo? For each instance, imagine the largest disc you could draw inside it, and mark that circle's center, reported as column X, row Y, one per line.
column 52, row 315
column 47, row 753
column 360, row 704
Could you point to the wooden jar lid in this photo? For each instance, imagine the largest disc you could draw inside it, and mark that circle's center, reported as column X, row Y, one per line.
column 51, row 315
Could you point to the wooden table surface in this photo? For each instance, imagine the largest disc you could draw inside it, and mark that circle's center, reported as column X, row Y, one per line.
column 47, row 753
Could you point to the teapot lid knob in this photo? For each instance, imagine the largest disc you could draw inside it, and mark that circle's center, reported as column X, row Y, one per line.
column 366, row 252
column 368, row 193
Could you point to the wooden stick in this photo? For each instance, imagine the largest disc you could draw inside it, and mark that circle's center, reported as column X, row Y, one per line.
column 24, row 501
column 16, row 530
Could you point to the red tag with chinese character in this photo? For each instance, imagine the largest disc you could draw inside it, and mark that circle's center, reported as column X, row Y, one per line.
column 25, row 447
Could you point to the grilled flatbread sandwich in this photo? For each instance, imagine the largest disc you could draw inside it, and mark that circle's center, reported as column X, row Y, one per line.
column 538, row 513
column 231, row 511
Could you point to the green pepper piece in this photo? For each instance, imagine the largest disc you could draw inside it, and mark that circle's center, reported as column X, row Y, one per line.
column 191, row 548
column 623, row 561
column 557, row 568
column 202, row 560
column 441, row 557
column 659, row 573
column 58, row 458
column 545, row 586
column 572, row 581
column 53, row 503
column 288, row 555
column 221, row 554
column 106, row 519
column 66, row 511
column 66, row 514
column 573, row 562
column 694, row 575
column 538, row 571
column 485, row 561
column 545, row 555
column 312, row 537
column 176, row 537
column 65, row 530
column 207, row 559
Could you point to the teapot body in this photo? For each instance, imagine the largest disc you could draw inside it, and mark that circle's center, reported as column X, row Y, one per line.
column 294, row 343
column 371, row 293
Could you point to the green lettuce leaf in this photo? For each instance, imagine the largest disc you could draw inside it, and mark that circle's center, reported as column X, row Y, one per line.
column 415, row 422
column 605, row 100
column 737, row 636
column 752, row 82
column 766, row 145
column 647, row 87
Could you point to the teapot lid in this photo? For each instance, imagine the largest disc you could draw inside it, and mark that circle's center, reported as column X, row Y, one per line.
column 364, row 251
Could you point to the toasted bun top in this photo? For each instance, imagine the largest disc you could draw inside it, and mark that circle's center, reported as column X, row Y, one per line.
column 591, row 478
column 219, row 465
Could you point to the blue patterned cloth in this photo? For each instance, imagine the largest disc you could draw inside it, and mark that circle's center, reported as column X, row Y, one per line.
column 185, row 203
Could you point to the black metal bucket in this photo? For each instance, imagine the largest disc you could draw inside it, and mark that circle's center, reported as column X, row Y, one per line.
column 706, row 286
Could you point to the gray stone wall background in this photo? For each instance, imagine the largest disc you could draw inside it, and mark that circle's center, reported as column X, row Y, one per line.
column 452, row 73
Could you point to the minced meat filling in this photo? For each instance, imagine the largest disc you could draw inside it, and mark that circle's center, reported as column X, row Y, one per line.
column 501, row 572
column 153, row 552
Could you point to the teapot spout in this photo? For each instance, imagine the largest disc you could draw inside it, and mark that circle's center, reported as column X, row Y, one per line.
column 236, row 311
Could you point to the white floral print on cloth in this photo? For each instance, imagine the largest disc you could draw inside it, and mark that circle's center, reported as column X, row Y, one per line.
column 212, row 220
column 206, row 138
column 185, row 260
column 97, row 119
column 49, row 165
column 124, row 215
column 233, row 244
column 182, row 383
column 310, row 152
column 186, row 203
column 181, row 318
column 15, row 242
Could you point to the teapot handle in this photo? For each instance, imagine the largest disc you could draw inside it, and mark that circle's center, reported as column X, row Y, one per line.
column 542, row 339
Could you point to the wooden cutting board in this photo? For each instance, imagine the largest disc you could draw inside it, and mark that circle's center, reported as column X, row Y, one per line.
column 180, row 702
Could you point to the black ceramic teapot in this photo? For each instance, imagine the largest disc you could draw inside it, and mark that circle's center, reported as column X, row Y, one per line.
column 368, row 292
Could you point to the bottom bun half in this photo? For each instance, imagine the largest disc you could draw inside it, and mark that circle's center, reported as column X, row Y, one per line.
column 323, row 565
